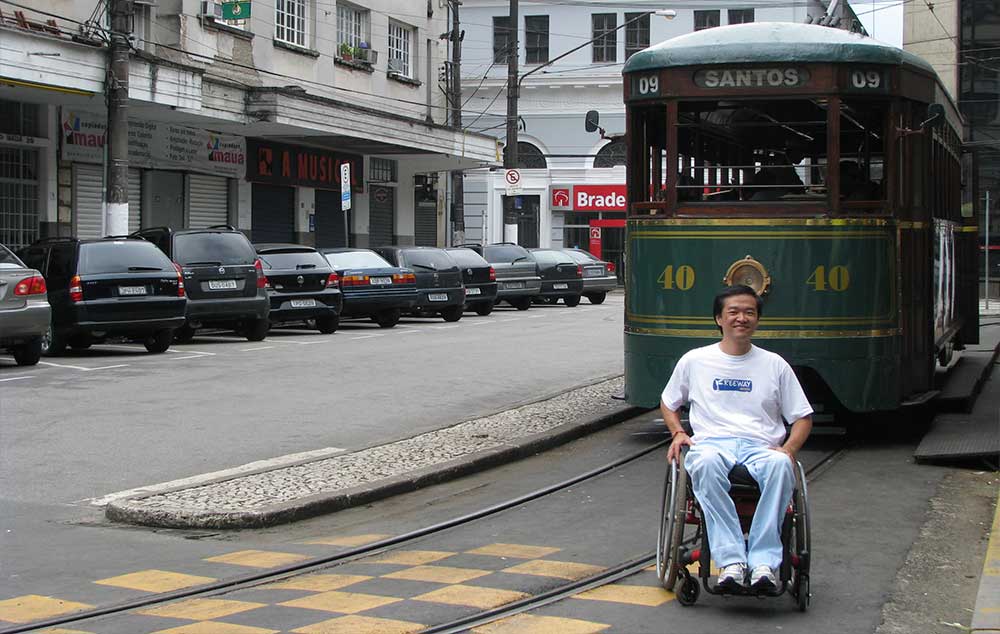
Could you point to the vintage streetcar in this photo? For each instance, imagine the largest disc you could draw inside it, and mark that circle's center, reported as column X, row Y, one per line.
column 819, row 167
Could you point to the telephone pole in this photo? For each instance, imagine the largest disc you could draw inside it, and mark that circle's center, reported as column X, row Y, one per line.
column 457, row 176
column 510, row 158
column 116, row 88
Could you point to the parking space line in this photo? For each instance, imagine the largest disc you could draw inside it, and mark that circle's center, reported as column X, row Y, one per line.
column 207, row 354
column 17, row 378
column 190, row 356
column 258, row 348
column 443, row 327
column 481, row 323
column 122, row 347
column 365, row 337
column 298, row 343
column 408, row 332
column 81, row 368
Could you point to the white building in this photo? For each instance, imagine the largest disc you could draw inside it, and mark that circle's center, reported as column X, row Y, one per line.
column 573, row 181
column 244, row 122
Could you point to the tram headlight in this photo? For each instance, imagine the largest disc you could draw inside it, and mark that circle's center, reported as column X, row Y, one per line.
column 748, row 272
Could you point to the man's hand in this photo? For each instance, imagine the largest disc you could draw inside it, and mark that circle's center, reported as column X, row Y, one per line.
column 788, row 452
column 680, row 439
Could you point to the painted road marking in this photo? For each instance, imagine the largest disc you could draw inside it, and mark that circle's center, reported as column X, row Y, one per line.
column 365, row 337
column 182, row 351
column 258, row 348
column 16, row 378
column 443, row 327
column 272, row 463
column 190, row 356
column 83, row 369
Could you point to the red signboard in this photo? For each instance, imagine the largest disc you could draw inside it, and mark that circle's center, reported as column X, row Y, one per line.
column 280, row 164
column 599, row 197
column 561, row 197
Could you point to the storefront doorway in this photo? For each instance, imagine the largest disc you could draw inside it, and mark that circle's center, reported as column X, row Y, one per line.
column 607, row 241
column 527, row 208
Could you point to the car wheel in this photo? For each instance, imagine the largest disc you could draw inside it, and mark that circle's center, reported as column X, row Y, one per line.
column 184, row 334
column 327, row 324
column 572, row 300
column 597, row 298
column 159, row 341
column 28, row 353
column 387, row 318
column 52, row 343
column 81, row 342
column 452, row 314
column 484, row 308
column 256, row 330
column 521, row 303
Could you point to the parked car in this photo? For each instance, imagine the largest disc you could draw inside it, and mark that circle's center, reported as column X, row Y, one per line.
column 479, row 278
column 517, row 276
column 224, row 279
column 562, row 278
column 24, row 309
column 439, row 280
column 301, row 286
column 371, row 286
column 108, row 287
column 598, row 276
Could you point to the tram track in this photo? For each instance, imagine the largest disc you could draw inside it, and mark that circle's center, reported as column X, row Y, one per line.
column 240, row 582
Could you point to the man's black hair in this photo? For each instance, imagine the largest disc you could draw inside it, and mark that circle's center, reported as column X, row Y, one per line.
column 733, row 291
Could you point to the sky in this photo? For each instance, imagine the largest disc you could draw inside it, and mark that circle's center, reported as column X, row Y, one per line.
column 882, row 20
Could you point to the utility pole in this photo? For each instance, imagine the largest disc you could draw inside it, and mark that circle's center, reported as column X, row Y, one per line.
column 116, row 88
column 457, row 176
column 510, row 158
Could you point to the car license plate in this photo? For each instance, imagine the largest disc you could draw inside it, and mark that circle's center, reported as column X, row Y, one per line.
column 131, row 290
column 513, row 285
column 380, row 280
column 221, row 285
column 438, row 297
column 560, row 287
column 473, row 291
column 592, row 273
column 303, row 303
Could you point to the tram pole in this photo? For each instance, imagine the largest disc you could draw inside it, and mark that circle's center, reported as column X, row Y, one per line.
column 457, row 184
column 986, row 250
column 116, row 89
column 510, row 158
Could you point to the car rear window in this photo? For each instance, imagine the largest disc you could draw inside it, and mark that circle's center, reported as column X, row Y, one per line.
column 8, row 260
column 356, row 260
column 294, row 260
column 224, row 248
column 580, row 257
column 552, row 257
column 430, row 258
column 118, row 256
column 467, row 257
column 504, row 253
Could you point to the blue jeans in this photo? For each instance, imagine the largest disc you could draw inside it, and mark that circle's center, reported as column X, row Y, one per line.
column 709, row 462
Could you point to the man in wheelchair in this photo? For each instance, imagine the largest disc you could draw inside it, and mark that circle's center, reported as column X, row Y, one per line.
column 738, row 394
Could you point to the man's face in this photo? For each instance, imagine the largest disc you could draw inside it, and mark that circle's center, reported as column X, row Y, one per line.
column 739, row 317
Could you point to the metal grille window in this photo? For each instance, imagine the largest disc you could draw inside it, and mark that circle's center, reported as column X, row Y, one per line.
column 400, row 39
column 382, row 170
column 536, row 39
column 610, row 155
column 291, row 22
column 740, row 16
column 636, row 33
column 529, row 156
column 605, row 37
column 18, row 118
column 706, row 19
column 501, row 38
column 18, row 197
column 352, row 25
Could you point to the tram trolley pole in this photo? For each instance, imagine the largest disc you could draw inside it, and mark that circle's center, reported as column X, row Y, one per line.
column 986, row 250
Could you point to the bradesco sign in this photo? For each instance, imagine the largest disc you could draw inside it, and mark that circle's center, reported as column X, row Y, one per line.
column 588, row 197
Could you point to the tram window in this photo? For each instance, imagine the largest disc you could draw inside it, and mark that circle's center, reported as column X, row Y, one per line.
column 863, row 125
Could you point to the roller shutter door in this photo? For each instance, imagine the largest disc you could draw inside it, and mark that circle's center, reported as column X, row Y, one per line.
column 88, row 200
column 273, row 214
column 330, row 230
column 134, row 200
column 208, row 201
column 425, row 229
column 381, row 216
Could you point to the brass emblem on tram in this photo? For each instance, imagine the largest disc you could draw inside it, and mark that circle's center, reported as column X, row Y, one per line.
column 748, row 272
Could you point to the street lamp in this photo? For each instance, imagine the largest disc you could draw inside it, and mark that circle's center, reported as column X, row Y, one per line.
column 510, row 158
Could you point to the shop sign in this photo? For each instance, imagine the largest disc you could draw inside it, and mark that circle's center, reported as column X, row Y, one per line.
column 153, row 144
column 298, row 166
column 588, row 197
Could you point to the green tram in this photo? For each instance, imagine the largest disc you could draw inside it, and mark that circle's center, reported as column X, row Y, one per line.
column 822, row 169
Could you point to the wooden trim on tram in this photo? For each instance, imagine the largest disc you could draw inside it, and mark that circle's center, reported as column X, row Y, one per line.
column 671, row 123
column 833, row 154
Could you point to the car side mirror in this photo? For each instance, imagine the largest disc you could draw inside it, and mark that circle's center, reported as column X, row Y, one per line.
column 592, row 120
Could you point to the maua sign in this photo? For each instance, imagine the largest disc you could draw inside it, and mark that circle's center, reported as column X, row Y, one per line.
column 778, row 77
column 588, row 197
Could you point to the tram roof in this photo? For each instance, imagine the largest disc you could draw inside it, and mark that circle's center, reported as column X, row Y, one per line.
column 770, row 42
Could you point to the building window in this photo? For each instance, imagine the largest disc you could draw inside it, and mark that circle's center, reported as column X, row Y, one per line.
column 536, row 39
column 18, row 118
column 400, row 45
column 610, row 155
column 740, row 16
column 290, row 22
column 706, row 19
column 501, row 38
column 529, row 156
column 605, row 37
column 636, row 33
column 382, row 170
column 352, row 27
column 18, row 197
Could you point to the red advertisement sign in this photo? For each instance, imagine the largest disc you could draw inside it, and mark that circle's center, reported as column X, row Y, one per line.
column 599, row 197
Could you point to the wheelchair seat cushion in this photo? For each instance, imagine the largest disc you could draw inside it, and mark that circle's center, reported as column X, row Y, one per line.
column 741, row 480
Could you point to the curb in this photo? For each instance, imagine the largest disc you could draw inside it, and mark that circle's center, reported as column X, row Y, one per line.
column 324, row 503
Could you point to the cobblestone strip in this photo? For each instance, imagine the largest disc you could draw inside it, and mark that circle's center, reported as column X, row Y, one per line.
column 254, row 492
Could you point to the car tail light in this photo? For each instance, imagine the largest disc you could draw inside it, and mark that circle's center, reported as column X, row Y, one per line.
column 333, row 280
column 404, row 278
column 180, row 280
column 75, row 289
column 261, row 278
column 611, row 267
column 493, row 274
column 34, row 285
column 354, row 280
column 579, row 270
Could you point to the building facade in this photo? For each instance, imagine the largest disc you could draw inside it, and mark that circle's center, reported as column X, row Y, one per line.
column 246, row 121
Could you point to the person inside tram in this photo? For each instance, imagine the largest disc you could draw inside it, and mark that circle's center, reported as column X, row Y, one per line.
column 738, row 395
column 854, row 185
column 774, row 181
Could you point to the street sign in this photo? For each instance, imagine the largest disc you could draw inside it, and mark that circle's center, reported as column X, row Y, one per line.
column 345, row 186
column 512, row 182
column 235, row 10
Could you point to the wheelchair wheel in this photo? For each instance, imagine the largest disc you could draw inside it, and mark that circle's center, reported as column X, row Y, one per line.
column 689, row 591
column 800, row 589
column 673, row 508
column 802, row 592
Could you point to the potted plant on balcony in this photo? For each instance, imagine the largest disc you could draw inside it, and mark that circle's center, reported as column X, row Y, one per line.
column 346, row 51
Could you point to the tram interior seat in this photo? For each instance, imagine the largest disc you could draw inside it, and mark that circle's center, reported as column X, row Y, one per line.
column 854, row 185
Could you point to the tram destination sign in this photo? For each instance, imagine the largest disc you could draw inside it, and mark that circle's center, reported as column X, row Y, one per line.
column 736, row 77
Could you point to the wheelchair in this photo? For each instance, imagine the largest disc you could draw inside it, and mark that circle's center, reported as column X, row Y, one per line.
column 682, row 539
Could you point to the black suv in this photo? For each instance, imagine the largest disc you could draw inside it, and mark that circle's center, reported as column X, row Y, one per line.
column 439, row 280
column 109, row 287
column 301, row 285
column 224, row 279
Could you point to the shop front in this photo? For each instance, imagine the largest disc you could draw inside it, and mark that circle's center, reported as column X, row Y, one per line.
column 592, row 218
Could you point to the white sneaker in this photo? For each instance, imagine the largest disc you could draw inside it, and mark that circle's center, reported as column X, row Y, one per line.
column 733, row 576
column 762, row 578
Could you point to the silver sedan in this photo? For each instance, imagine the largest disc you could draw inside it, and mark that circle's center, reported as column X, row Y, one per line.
column 24, row 309
column 598, row 275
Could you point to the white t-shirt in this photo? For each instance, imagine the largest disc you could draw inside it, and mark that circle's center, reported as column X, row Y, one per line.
column 742, row 396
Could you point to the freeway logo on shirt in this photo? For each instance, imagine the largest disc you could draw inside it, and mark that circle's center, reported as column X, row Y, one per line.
column 732, row 385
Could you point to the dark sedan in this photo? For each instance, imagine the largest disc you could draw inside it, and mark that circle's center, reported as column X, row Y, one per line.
column 301, row 286
column 479, row 277
column 562, row 278
column 372, row 287
column 439, row 280
column 598, row 276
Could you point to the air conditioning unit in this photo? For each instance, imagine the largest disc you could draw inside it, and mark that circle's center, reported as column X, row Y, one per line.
column 211, row 9
column 395, row 65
